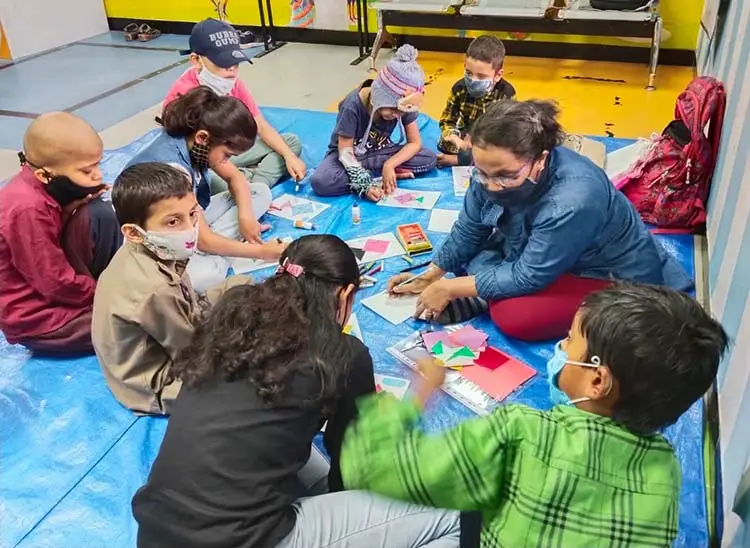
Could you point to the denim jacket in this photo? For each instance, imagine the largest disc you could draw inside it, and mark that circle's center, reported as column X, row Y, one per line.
column 576, row 222
column 174, row 150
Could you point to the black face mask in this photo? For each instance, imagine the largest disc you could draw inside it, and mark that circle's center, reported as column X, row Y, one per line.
column 199, row 156
column 513, row 196
column 65, row 191
column 61, row 188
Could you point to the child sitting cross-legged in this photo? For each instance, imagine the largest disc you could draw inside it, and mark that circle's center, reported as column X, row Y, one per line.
column 481, row 86
column 361, row 147
column 593, row 471
column 145, row 309
column 56, row 237
column 215, row 57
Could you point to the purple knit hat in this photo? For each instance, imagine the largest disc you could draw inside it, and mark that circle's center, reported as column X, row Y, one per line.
column 399, row 85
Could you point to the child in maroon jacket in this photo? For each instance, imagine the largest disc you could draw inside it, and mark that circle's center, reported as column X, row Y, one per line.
column 56, row 237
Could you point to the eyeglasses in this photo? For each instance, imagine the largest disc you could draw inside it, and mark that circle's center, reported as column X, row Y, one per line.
column 509, row 181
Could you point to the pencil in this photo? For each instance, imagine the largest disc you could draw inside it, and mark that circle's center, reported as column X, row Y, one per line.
column 409, row 280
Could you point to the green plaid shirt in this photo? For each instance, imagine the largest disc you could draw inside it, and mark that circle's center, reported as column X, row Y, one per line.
column 559, row 479
column 462, row 110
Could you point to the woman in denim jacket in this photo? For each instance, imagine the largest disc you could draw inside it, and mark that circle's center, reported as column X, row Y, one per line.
column 541, row 228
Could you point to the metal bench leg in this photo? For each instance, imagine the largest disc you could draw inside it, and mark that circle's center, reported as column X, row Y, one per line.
column 381, row 38
column 655, row 47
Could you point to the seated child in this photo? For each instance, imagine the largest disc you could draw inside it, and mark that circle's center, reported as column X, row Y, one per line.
column 56, row 237
column 215, row 56
column 145, row 309
column 201, row 131
column 481, row 86
column 361, row 142
column 593, row 471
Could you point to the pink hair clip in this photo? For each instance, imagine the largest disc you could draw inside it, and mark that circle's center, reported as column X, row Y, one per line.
column 290, row 268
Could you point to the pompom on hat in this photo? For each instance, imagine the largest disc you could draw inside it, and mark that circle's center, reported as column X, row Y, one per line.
column 398, row 85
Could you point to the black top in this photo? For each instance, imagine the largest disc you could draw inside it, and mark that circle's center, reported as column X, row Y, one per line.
column 226, row 473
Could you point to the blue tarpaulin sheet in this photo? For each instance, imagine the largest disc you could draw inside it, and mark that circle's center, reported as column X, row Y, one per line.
column 71, row 457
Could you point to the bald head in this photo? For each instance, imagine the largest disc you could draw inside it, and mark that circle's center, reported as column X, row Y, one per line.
column 57, row 139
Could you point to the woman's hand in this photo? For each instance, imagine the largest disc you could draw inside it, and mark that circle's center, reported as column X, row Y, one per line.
column 447, row 160
column 251, row 229
column 414, row 287
column 433, row 300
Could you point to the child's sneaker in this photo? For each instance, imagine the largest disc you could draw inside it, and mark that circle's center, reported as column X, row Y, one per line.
column 247, row 39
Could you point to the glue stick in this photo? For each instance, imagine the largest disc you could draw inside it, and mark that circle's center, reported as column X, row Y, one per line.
column 305, row 225
column 356, row 215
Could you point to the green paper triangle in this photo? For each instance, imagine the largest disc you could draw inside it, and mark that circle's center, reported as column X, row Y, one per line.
column 420, row 199
column 438, row 348
column 462, row 352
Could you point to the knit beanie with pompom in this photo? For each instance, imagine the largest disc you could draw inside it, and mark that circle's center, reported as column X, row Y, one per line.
column 398, row 79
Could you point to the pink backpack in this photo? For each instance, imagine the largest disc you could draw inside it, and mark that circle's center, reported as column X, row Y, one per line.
column 669, row 186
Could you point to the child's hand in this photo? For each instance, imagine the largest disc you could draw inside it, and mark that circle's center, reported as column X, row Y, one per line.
column 431, row 378
column 389, row 178
column 375, row 194
column 272, row 250
column 295, row 167
column 446, row 160
column 70, row 208
column 250, row 229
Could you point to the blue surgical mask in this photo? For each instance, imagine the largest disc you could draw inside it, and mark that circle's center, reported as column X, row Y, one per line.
column 478, row 88
column 555, row 366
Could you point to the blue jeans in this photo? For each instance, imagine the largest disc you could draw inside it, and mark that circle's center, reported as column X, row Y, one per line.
column 355, row 519
column 221, row 215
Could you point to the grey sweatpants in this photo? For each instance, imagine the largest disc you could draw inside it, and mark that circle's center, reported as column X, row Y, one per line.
column 260, row 164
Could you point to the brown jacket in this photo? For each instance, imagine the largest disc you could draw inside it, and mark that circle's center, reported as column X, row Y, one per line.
column 145, row 311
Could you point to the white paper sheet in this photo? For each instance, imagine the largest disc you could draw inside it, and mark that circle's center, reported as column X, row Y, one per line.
column 288, row 206
column 442, row 220
column 393, row 309
column 352, row 327
column 461, row 179
column 394, row 247
column 419, row 199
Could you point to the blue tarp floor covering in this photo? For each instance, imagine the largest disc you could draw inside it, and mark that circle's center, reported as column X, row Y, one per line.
column 71, row 457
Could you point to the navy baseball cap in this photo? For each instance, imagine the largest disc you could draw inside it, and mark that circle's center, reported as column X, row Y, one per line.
column 218, row 41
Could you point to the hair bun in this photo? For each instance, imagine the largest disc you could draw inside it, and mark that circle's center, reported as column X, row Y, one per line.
column 407, row 53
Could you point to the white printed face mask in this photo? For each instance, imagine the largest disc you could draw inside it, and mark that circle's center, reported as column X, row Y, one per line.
column 171, row 246
column 220, row 86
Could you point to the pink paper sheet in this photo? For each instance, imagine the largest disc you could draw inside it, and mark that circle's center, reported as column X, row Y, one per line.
column 405, row 198
column 376, row 246
column 432, row 338
column 469, row 336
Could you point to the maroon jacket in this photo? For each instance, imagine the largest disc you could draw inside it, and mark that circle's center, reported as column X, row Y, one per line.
column 39, row 290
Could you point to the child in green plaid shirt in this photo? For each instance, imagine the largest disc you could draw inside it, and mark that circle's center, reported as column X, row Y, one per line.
column 481, row 86
column 594, row 471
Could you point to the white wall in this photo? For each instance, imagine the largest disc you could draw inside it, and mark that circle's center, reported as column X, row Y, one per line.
column 32, row 26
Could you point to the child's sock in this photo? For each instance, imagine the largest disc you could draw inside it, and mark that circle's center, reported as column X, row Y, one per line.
column 463, row 309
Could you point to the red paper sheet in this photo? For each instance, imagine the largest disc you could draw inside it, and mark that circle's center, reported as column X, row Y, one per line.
column 502, row 381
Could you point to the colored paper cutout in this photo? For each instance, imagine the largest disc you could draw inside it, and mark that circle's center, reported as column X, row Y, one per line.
column 394, row 385
column 464, row 352
column 375, row 246
column 502, row 381
column 491, row 358
column 406, row 198
column 432, row 337
column 437, row 348
column 469, row 336
column 420, row 199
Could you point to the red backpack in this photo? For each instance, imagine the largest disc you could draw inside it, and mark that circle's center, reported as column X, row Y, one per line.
column 669, row 186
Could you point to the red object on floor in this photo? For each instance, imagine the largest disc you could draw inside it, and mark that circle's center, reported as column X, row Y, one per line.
column 546, row 314
column 503, row 379
column 491, row 358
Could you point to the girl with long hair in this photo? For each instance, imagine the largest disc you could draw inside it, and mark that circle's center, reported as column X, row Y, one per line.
column 264, row 371
column 201, row 132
